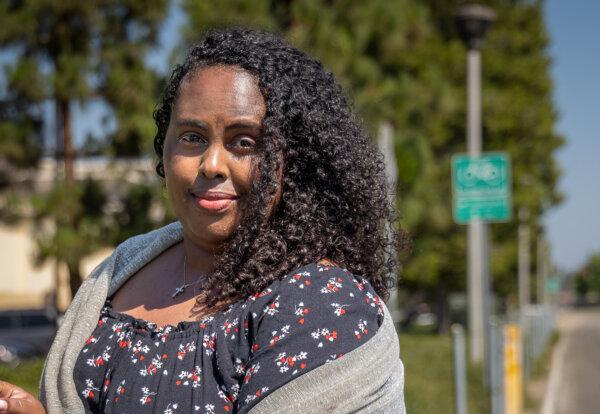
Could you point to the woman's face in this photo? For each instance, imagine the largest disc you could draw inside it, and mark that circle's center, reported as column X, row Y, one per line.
column 210, row 149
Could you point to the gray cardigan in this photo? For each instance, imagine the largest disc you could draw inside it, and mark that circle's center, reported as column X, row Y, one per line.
column 368, row 379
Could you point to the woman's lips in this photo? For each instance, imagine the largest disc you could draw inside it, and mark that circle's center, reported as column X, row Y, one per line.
column 214, row 201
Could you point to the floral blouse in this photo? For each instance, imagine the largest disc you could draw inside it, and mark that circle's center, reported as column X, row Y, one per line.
column 228, row 362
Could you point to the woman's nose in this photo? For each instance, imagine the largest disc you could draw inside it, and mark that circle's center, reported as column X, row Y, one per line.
column 214, row 162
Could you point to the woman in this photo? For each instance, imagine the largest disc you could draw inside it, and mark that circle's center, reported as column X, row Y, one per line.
column 265, row 296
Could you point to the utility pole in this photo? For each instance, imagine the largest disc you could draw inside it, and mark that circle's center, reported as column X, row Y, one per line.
column 385, row 142
column 524, row 258
column 542, row 267
column 473, row 22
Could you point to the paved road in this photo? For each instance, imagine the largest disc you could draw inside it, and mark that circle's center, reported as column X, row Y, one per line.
column 574, row 384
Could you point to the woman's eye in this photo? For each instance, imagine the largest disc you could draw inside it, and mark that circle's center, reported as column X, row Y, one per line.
column 193, row 138
column 246, row 142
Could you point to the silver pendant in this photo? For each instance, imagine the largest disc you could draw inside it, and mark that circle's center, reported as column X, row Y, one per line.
column 178, row 291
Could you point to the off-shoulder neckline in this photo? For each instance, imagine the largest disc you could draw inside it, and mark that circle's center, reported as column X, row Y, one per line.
column 186, row 328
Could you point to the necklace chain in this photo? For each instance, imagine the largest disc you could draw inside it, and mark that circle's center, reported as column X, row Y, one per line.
column 179, row 290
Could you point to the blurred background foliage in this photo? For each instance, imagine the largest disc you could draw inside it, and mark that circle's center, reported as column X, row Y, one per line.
column 587, row 280
column 400, row 60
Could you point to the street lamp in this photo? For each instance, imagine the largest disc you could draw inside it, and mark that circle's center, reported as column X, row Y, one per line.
column 473, row 22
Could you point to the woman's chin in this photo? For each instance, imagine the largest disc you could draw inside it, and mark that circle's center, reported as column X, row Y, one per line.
column 209, row 230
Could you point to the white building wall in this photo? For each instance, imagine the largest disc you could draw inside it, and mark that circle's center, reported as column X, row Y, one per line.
column 24, row 285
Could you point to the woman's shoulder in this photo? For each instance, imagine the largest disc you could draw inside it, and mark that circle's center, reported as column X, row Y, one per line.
column 314, row 315
column 318, row 294
column 328, row 279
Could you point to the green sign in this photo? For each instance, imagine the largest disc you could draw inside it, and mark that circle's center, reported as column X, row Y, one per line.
column 481, row 187
column 553, row 285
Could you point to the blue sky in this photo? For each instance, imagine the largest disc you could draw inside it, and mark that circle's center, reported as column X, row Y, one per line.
column 574, row 226
column 574, row 27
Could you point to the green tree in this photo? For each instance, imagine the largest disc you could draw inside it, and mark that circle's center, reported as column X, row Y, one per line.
column 518, row 117
column 587, row 279
column 403, row 62
column 72, row 52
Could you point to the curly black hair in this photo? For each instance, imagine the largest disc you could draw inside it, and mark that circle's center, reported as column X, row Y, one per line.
column 334, row 201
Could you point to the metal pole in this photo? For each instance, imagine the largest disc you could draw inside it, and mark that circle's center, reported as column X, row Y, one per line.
column 496, row 366
column 524, row 259
column 548, row 272
column 460, row 371
column 476, row 231
column 385, row 142
column 540, row 268
column 487, row 307
column 474, row 102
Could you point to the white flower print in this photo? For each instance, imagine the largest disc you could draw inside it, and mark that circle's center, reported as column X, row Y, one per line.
column 333, row 357
column 374, row 301
column 272, row 308
column 171, row 408
column 97, row 361
column 285, row 362
column 190, row 378
column 106, row 381
column 278, row 335
column 321, row 267
column 257, row 393
column 329, row 336
column 300, row 310
column 301, row 279
column 339, row 309
column 184, row 349
column 208, row 409
column 91, row 340
column 102, row 321
column 146, row 396
column 205, row 321
column 239, row 366
column 208, row 342
column 261, row 294
column 117, row 328
column 254, row 368
column 227, row 398
column 359, row 285
column 334, row 284
column 153, row 367
column 120, row 390
column 235, row 390
column 164, row 334
column 138, row 350
column 321, row 310
column 362, row 329
column 123, row 339
column 88, row 392
column 230, row 328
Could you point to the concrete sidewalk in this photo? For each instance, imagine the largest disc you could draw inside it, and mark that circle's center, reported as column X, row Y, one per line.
column 574, row 382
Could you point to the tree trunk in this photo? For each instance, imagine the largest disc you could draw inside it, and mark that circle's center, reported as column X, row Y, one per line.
column 64, row 142
column 64, row 150
column 442, row 311
column 74, row 278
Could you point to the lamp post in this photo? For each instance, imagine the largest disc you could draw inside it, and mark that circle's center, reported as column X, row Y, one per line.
column 524, row 259
column 385, row 142
column 542, row 267
column 473, row 22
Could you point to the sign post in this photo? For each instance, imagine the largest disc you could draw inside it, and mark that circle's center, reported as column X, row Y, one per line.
column 481, row 188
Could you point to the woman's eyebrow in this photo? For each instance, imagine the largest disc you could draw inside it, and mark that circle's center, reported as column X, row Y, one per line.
column 194, row 123
column 243, row 125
